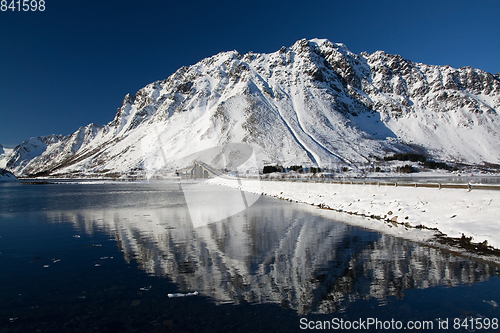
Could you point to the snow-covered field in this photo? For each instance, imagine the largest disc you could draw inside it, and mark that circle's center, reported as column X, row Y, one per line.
column 451, row 211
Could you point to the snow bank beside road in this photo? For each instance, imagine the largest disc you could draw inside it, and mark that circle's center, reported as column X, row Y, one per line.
column 452, row 211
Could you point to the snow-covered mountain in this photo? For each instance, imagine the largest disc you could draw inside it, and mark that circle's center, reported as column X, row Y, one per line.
column 6, row 176
column 4, row 156
column 314, row 103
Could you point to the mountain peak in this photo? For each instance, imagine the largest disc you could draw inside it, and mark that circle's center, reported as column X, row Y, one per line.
column 314, row 103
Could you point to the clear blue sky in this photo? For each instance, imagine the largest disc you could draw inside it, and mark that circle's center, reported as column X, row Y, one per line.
column 73, row 63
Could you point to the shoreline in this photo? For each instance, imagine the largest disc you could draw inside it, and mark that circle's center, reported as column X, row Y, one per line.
column 453, row 219
column 457, row 217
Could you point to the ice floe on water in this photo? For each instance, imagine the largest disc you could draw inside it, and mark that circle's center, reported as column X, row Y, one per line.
column 492, row 303
column 182, row 295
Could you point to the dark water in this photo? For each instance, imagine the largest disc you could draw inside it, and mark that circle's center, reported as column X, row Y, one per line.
column 105, row 257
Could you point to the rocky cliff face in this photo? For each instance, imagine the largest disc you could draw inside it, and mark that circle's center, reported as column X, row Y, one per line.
column 313, row 103
column 6, row 176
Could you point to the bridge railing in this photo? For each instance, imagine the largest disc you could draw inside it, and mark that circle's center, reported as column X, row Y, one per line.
column 438, row 185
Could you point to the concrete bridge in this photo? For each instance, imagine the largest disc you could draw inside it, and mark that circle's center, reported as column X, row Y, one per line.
column 200, row 170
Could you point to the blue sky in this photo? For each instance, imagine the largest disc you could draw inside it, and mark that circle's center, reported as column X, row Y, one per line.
column 73, row 63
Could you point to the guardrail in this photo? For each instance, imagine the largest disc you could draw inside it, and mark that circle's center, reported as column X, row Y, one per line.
column 467, row 186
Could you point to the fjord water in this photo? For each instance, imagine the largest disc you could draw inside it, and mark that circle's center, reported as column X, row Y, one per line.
column 105, row 257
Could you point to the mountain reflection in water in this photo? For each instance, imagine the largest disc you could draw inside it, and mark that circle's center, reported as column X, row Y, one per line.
column 273, row 252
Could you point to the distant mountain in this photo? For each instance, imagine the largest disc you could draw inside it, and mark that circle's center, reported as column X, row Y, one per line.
column 4, row 156
column 314, row 103
column 6, row 176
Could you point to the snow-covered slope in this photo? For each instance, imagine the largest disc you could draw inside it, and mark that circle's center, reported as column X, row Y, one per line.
column 5, row 154
column 314, row 103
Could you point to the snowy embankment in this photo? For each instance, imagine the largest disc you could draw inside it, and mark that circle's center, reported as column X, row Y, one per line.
column 454, row 212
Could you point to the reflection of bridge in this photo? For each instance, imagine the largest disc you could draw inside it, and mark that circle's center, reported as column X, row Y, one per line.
column 200, row 170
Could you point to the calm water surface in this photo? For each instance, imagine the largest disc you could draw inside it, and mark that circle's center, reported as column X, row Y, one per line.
column 105, row 257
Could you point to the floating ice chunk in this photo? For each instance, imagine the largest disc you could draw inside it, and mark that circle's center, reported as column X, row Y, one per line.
column 145, row 288
column 46, row 266
column 182, row 295
column 492, row 303
column 76, row 236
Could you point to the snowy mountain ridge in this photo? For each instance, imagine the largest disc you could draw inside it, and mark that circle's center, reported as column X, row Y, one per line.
column 6, row 176
column 314, row 103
